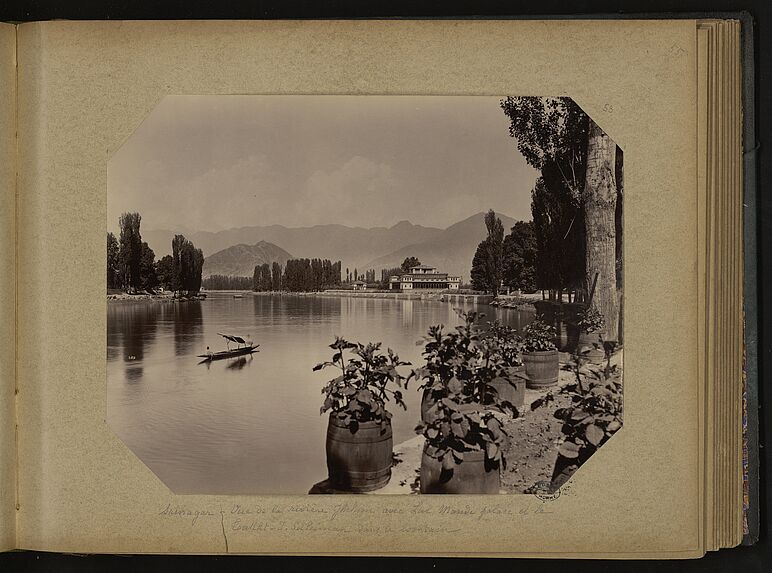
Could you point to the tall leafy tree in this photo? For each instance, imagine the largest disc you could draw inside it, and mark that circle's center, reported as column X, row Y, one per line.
column 147, row 268
column 479, row 272
column 494, row 251
column 130, row 250
column 519, row 260
column 187, row 265
column 164, row 269
column 581, row 168
column 276, row 276
column 113, row 262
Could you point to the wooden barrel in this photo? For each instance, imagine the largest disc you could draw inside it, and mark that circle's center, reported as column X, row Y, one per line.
column 597, row 355
column 472, row 475
column 542, row 368
column 512, row 391
column 359, row 461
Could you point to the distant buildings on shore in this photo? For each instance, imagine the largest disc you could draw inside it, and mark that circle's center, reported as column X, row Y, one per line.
column 424, row 277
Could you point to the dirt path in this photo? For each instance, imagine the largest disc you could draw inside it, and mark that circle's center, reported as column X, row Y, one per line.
column 533, row 447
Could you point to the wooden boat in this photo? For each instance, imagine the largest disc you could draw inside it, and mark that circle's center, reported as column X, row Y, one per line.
column 230, row 353
column 244, row 348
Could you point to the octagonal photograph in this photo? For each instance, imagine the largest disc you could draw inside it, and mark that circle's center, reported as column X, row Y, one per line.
column 365, row 294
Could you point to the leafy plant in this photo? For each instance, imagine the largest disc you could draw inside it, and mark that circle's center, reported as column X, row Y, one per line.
column 361, row 391
column 538, row 336
column 595, row 413
column 508, row 344
column 465, row 412
column 590, row 320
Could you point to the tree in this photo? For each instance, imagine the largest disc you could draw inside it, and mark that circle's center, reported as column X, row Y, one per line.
column 227, row 282
column 409, row 263
column 164, row 269
column 187, row 265
column 178, row 266
column 130, row 250
column 276, row 276
column 147, row 269
column 550, row 131
column 494, row 251
column 599, row 198
column 113, row 262
column 479, row 272
column 581, row 169
column 559, row 230
column 519, row 259
column 262, row 279
column 386, row 275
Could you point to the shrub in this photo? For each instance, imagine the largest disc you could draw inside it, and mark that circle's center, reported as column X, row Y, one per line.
column 365, row 383
column 465, row 412
column 538, row 336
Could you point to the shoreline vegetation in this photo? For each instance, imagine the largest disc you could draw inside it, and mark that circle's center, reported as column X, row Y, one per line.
column 521, row 302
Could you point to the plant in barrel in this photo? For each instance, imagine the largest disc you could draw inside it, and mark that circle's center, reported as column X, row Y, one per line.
column 507, row 346
column 590, row 325
column 463, row 417
column 359, row 438
column 540, row 355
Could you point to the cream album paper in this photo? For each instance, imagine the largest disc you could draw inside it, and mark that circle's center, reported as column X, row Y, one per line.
column 209, row 129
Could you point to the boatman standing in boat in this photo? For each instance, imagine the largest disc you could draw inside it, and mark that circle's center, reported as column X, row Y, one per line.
column 208, row 352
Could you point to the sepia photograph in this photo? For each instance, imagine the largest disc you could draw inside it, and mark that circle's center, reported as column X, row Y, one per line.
column 365, row 294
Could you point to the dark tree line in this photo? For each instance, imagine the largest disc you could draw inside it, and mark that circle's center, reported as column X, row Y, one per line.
column 298, row 275
column 227, row 282
column 131, row 263
column 510, row 261
column 263, row 280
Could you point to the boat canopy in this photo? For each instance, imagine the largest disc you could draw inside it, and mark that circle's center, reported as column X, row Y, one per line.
column 232, row 338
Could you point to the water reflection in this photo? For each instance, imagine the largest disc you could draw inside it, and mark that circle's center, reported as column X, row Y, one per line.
column 188, row 325
column 239, row 363
column 251, row 424
column 130, row 331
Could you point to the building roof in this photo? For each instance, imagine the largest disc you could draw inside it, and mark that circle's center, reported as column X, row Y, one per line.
column 426, row 267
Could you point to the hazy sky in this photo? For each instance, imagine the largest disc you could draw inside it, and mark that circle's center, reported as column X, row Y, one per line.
column 217, row 162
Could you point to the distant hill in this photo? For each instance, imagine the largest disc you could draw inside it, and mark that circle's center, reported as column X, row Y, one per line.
column 241, row 260
column 450, row 251
column 355, row 246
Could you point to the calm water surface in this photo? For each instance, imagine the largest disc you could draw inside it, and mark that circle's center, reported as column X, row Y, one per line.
column 248, row 425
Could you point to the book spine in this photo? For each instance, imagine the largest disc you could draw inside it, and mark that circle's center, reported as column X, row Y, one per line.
column 8, row 265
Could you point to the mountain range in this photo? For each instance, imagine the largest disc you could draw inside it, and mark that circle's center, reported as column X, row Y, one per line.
column 450, row 250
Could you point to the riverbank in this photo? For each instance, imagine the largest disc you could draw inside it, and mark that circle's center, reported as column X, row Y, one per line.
column 520, row 301
column 125, row 297
column 392, row 295
column 535, row 437
column 531, row 454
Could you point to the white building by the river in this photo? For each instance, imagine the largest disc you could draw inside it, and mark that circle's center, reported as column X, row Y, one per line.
column 424, row 277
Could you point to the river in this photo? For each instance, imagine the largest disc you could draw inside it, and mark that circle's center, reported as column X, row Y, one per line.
column 249, row 425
